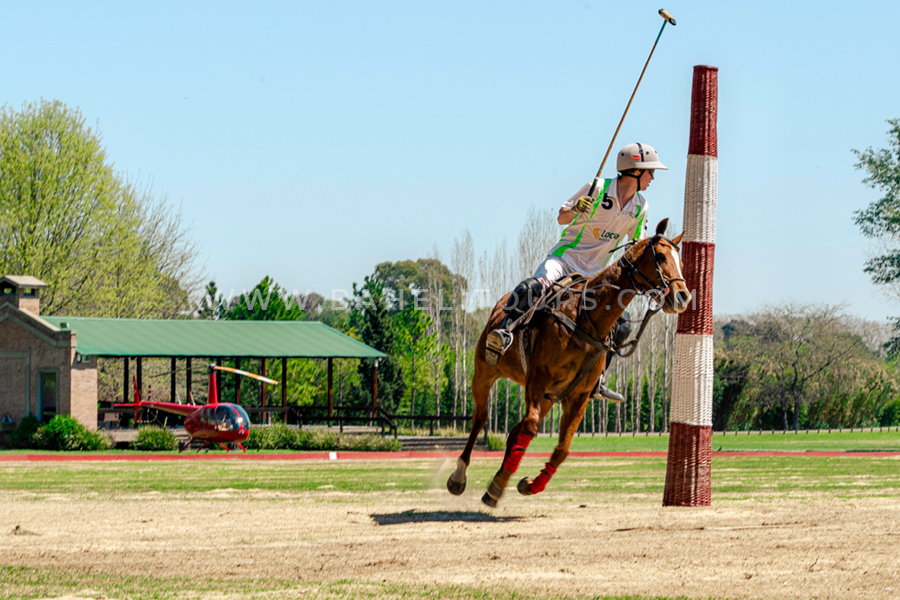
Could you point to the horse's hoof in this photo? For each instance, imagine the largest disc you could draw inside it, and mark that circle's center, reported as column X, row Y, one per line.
column 456, row 487
column 487, row 499
column 524, row 486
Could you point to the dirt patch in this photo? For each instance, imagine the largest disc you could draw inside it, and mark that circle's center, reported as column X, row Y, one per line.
column 556, row 543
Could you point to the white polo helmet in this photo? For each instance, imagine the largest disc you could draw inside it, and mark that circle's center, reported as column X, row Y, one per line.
column 638, row 156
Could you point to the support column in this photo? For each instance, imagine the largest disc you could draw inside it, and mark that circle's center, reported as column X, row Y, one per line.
column 188, row 397
column 262, row 402
column 284, row 378
column 330, row 387
column 284, row 387
column 140, row 376
column 689, row 467
column 126, row 381
column 173, row 365
column 375, row 389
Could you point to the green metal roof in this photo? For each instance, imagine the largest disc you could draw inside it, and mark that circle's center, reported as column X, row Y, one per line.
column 204, row 338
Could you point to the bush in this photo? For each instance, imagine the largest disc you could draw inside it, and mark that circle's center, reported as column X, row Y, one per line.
column 155, row 438
column 422, row 431
column 22, row 436
column 64, row 432
column 317, row 439
column 276, row 437
column 257, row 440
column 369, row 443
column 323, row 439
column 890, row 414
column 281, row 437
column 496, row 441
column 284, row 437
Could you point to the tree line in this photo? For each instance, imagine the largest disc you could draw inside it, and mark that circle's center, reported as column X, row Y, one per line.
column 111, row 246
column 784, row 366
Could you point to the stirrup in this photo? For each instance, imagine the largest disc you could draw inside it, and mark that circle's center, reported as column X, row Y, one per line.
column 601, row 392
column 496, row 344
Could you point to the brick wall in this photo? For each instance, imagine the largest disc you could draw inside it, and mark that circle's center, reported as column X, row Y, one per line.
column 29, row 342
column 83, row 391
column 30, row 304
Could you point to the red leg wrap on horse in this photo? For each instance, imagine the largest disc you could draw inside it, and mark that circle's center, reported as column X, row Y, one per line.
column 540, row 482
column 518, row 451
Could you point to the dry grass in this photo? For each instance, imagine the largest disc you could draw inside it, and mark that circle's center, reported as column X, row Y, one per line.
column 396, row 538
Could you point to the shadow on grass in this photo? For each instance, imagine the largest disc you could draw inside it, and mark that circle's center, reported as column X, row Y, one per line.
column 439, row 516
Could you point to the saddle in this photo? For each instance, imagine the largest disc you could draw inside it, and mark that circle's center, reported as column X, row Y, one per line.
column 560, row 292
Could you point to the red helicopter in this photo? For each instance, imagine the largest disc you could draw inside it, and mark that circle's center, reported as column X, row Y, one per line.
column 213, row 423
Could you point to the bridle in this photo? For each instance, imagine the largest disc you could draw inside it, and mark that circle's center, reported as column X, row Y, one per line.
column 660, row 290
column 664, row 286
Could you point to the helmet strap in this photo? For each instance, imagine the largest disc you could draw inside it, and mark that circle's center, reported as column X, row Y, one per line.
column 630, row 173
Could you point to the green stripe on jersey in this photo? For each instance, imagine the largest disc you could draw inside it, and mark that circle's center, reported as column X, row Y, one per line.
column 562, row 249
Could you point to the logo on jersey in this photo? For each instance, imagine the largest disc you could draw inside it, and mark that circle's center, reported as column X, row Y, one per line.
column 602, row 234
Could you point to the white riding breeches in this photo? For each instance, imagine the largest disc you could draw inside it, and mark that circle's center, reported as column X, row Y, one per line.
column 552, row 269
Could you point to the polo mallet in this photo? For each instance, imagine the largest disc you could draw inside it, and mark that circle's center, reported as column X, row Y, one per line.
column 667, row 18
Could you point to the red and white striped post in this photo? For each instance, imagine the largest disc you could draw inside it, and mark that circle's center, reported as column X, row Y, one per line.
column 689, row 463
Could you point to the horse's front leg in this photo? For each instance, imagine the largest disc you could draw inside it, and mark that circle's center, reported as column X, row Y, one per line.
column 519, row 438
column 482, row 381
column 568, row 425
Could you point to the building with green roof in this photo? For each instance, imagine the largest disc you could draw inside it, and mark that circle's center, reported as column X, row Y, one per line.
column 48, row 365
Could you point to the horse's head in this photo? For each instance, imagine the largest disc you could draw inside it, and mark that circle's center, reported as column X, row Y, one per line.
column 656, row 268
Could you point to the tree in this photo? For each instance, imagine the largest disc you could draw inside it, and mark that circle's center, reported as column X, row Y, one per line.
column 373, row 321
column 538, row 235
column 407, row 281
column 415, row 337
column 424, row 286
column 880, row 221
column 463, row 263
column 212, row 305
column 105, row 246
column 267, row 301
column 795, row 358
column 440, row 318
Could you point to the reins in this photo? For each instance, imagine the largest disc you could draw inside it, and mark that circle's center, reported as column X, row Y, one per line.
column 603, row 346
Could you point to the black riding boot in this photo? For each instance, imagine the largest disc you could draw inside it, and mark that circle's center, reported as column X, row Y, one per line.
column 521, row 299
column 619, row 334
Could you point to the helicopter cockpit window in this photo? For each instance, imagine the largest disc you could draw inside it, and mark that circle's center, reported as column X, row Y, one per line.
column 226, row 418
column 208, row 417
column 243, row 417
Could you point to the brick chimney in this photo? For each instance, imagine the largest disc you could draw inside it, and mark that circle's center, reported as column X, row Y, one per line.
column 23, row 292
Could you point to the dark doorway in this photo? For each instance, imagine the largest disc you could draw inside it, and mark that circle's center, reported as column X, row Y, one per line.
column 47, row 396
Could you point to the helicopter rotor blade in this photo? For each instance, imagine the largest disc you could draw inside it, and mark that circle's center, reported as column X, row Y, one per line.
column 244, row 373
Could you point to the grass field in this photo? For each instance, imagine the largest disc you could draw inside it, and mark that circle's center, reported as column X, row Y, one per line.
column 856, row 441
column 64, row 510
column 734, row 478
column 847, row 441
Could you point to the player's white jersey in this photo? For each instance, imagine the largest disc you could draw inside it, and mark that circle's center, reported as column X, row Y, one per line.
column 589, row 241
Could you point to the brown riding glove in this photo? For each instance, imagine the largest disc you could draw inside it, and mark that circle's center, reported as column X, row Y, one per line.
column 584, row 204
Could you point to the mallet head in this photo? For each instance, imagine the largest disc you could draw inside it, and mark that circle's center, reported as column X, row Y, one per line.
column 665, row 15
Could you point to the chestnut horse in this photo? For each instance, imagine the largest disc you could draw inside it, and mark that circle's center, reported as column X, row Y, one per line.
column 565, row 354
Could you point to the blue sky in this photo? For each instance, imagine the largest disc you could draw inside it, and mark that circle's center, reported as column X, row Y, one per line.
column 310, row 141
